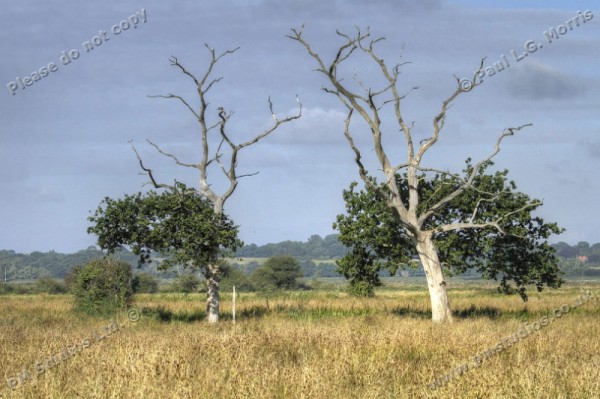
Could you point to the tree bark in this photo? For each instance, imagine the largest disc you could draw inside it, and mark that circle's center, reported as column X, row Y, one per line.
column 212, row 296
column 440, row 306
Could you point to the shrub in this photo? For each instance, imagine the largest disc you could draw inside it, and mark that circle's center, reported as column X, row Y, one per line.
column 233, row 276
column 145, row 283
column 278, row 272
column 50, row 286
column 361, row 288
column 186, row 283
column 6, row 288
column 70, row 278
column 102, row 286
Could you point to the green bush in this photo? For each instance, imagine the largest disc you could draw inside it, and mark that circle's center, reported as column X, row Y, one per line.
column 361, row 288
column 278, row 272
column 102, row 286
column 233, row 276
column 50, row 286
column 145, row 283
column 186, row 283
column 6, row 288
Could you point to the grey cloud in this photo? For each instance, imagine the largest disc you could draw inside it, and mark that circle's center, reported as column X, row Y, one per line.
column 592, row 148
column 536, row 81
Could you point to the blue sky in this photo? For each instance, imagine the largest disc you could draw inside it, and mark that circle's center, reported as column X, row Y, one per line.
column 64, row 139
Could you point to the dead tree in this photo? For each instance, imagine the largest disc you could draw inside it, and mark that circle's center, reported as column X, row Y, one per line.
column 370, row 104
column 223, row 156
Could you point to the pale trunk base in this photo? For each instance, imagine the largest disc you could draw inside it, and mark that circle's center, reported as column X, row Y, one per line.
column 212, row 300
column 440, row 306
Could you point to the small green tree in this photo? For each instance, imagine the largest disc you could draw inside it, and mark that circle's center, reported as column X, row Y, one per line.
column 278, row 272
column 179, row 223
column 145, row 283
column 186, row 283
column 233, row 276
column 102, row 286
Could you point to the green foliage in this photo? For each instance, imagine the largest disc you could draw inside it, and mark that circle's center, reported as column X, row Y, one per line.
column 361, row 288
column 315, row 247
column 371, row 229
column 233, row 276
column 47, row 264
column 102, row 286
column 50, row 286
column 144, row 283
column 187, row 283
column 180, row 224
column 6, row 288
column 278, row 272
column 72, row 276
column 521, row 255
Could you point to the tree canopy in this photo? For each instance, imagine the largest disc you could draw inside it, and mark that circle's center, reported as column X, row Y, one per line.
column 180, row 224
column 519, row 255
column 278, row 272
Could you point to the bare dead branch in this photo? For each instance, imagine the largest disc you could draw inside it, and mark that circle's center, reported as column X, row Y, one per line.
column 148, row 171
column 469, row 180
column 173, row 157
column 277, row 122
column 357, row 155
column 169, row 96
column 494, row 224
column 440, row 119
column 203, row 85
column 175, row 62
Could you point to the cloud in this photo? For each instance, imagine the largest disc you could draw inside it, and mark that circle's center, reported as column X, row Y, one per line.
column 592, row 148
column 317, row 126
column 537, row 81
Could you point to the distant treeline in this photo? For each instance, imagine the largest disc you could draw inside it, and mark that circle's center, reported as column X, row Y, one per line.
column 48, row 264
column 580, row 259
column 315, row 248
column 582, row 249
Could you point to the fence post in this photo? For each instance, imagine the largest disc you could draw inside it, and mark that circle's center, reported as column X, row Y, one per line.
column 233, row 305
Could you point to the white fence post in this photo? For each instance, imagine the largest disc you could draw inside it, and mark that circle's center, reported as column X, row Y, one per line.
column 233, row 305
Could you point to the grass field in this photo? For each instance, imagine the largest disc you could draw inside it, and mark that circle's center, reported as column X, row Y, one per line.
column 315, row 344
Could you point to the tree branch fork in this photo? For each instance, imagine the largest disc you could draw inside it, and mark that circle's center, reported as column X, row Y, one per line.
column 225, row 154
column 370, row 103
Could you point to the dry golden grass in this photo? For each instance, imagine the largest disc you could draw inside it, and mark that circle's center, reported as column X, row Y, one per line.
column 306, row 345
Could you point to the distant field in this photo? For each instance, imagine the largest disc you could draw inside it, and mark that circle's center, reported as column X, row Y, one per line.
column 309, row 344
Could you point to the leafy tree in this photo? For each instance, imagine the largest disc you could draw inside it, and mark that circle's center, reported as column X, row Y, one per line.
column 233, row 276
column 145, row 283
column 102, row 286
column 565, row 250
column 443, row 215
column 594, row 259
column 220, row 152
column 179, row 223
column 278, row 272
column 521, row 254
column 583, row 248
column 186, row 283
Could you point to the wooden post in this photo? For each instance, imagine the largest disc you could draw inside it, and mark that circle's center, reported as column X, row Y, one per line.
column 233, row 305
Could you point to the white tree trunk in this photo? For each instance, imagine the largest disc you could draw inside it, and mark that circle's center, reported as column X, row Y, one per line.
column 212, row 300
column 440, row 306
